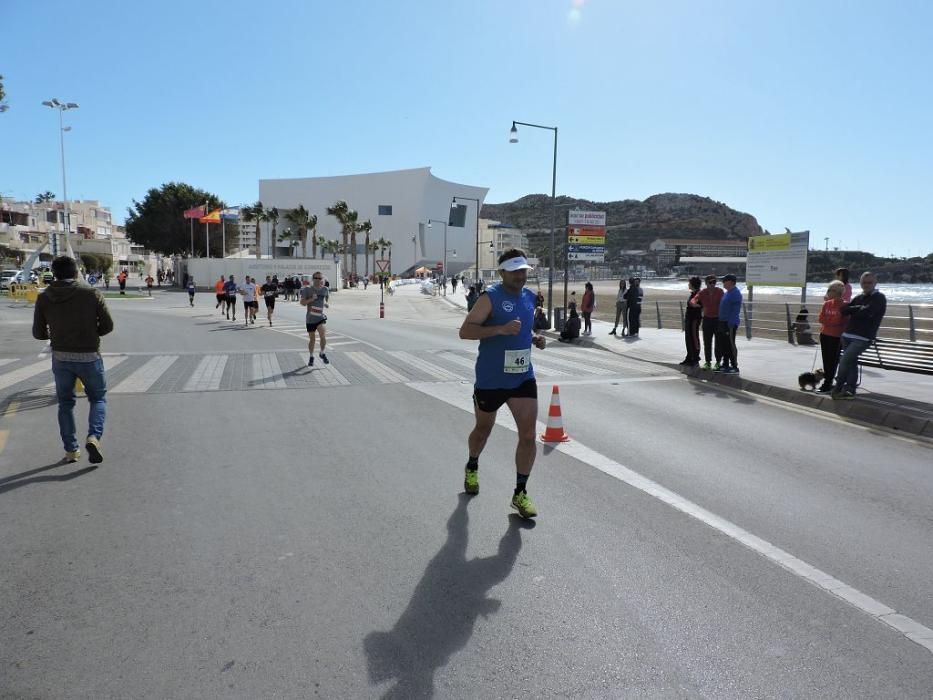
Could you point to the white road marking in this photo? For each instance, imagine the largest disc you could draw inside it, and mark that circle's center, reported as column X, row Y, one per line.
column 325, row 375
column 435, row 371
column 23, row 373
column 7, row 360
column 267, row 374
column 458, row 395
column 383, row 373
column 601, row 356
column 562, row 361
column 109, row 364
column 143, row 378
column 207, row 374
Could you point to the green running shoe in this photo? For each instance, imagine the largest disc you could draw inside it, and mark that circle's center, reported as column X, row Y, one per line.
column 707, row 365
column 524, row 505
column 716, row 367
column 471, row 481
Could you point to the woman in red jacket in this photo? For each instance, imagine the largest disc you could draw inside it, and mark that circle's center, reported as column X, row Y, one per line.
column 833, row 324
column 586, row 307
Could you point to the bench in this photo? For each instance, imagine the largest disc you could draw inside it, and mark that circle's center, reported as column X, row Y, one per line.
column 899, row 355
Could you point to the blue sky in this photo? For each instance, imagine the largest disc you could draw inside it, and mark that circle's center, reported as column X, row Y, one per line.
column 812, row 115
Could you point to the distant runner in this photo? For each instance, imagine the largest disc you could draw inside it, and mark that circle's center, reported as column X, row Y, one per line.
column 270, row 290
column 248, row 290
column 191, row 290
column 502, row 320
column 230, row 296
column 314, row 298
column 219, row 292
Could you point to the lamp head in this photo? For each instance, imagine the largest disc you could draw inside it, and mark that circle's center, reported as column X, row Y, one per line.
column 430, row 225
column 47, row 103
column 513, row 134
column 71, row 105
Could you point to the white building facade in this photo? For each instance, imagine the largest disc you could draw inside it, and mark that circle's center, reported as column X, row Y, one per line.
column 396, row 202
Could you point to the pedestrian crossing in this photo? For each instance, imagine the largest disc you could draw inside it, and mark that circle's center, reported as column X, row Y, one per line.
column 184, row 372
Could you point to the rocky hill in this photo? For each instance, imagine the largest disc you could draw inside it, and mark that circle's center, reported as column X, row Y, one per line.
column 631, row 224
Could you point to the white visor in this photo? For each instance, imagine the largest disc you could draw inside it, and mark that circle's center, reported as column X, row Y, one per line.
column 513, row 264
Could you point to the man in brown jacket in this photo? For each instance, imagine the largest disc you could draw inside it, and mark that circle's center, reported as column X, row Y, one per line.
column 74, row 316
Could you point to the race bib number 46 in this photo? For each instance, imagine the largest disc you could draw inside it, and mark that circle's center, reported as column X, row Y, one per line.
column 517, row 361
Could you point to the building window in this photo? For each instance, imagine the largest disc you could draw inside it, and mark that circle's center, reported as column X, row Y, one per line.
column 385, row 210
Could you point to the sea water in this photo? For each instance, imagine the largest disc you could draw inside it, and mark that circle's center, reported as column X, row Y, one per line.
column 895, row 293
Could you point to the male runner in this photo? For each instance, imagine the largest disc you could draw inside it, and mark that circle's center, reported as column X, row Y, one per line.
column 270, row 290
column 230, row 296
column 191, row 290
column 221, row 294
column 502, row 321
column 314, row 298
column 248, row 290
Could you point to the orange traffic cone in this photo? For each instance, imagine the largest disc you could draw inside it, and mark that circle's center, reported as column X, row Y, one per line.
column 555, row 426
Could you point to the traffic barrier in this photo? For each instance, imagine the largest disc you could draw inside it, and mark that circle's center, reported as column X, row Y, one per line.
column 555, row 424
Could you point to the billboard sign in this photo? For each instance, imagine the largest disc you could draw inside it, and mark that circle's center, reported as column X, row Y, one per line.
column 586, row 236
column 779, row 260
column 587, row 218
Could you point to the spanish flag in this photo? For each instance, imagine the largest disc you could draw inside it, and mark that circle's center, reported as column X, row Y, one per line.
column 212, row 218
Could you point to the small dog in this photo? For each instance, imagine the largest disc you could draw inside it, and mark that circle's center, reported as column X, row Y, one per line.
column 810, row 379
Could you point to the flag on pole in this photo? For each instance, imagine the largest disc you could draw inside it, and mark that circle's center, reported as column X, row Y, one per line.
column 212, row 218
column 196, row 212
column 230, row 214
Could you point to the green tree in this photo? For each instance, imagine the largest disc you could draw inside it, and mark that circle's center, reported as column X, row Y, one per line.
column 305, row 222
column 3, row 105
column 158, row 222
column 366, row 227
column 352, row 217
column 272, row 216
column 340, row 211
column 256, row 213
column 46, row 196
column 321, row 242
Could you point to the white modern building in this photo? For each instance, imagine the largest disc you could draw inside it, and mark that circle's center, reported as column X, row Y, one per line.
column 396, row 202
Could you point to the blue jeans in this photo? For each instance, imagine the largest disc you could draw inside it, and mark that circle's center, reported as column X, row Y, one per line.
column 847, row 374
column 95, row 386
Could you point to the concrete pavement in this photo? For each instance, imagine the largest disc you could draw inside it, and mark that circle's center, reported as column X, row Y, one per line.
column 898, row 401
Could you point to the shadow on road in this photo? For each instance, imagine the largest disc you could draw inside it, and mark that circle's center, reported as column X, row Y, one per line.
column 9, row 483
column 29, row 400
column 440, row 617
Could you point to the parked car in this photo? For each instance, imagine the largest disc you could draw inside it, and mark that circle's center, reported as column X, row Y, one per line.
column 7, row 277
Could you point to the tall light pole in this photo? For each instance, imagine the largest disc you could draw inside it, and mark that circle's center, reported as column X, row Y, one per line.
column 472, row 199
column 62, row 107
column 430, row 221
column 513, row 138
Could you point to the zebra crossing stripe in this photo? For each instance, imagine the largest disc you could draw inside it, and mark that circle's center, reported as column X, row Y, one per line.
column 109, row 364
column 207, row 374
column 570, row 364
column 7, row 361
column 458, row 360
column 384, row 374
column 24, row 373
column 329, row 376
column 266, row 372
column 143, row 378
column 427, row 367
column 602, row 357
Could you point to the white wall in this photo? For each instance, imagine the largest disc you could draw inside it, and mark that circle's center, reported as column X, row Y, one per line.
column 415, row 196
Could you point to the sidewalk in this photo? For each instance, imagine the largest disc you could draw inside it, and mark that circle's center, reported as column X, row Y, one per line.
column 896, row 400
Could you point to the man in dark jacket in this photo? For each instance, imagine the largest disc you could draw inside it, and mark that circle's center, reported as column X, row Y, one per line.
column 864, row 313
column 74, row 316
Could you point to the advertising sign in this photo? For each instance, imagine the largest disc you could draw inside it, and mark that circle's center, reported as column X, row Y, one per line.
column 588, row 240
column 779, row 260
column 586, row 236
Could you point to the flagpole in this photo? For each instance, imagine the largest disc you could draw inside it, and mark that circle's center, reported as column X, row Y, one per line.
column 207, row 240
column 192, row 238
column 223, row 235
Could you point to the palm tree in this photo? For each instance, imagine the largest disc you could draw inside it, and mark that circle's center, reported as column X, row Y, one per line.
column 366, row 227
column 304, row 221
column 321, row 241
column 339, row 211
column 272, row 215
column 352, row 217
column 255, row 213
column 45, row 197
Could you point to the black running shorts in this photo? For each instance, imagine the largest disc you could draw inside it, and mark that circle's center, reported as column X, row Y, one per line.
column 491, row 400
column 270, row 302
column 313, row 326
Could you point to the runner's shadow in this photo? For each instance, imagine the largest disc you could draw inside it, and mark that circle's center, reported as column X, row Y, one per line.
column 440, row 617
column 25, row 478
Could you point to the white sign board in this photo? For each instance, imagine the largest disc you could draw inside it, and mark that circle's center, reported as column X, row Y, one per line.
column 586, row 218
column 779, row 260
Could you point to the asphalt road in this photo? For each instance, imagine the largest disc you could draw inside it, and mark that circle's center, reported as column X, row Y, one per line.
column 262, row 529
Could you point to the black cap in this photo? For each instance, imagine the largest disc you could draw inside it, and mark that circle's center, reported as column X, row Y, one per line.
column 728, row 278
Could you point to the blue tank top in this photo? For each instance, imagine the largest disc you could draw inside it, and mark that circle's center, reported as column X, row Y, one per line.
column 504, row 361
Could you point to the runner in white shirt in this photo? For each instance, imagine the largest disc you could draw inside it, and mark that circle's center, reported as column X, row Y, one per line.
column 248, row 290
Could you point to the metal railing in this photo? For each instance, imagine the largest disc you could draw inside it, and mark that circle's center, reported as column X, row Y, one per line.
column 783, row 320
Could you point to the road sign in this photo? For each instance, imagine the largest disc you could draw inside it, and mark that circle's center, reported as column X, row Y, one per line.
column 439, row 266
column 383, row 265
column 586, row 249
column 587, row 257
column 586, row 218
column 587, row 240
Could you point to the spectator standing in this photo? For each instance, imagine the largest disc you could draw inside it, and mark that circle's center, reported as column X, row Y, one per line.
column 693, row 317
column 621, row 306
column 709, row 299
column 864, row 314
column 730, row 308
column 471, row 297
column 587, row 306
column 833, row 324
column 842, row 274
column 633, row 299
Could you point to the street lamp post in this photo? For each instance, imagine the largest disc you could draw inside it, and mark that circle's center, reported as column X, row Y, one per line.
column 472, row 199
column 62, row 107
column 513, row 138
column 444, row 277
